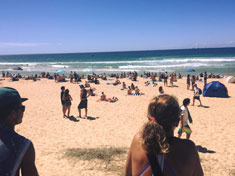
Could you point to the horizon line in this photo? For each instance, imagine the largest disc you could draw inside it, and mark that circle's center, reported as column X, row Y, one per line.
column 118, row 51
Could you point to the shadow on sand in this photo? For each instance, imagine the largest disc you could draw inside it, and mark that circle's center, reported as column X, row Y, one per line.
column 204, row 149
column 92, row 118
column 88, row 118
column 203, row 106
column 72, row 118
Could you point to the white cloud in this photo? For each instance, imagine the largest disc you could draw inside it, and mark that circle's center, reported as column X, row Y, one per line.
column 6, row 45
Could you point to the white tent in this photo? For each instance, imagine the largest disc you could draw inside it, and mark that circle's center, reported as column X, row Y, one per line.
column 230, row 79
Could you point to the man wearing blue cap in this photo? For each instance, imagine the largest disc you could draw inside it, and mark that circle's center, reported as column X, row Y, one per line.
column 16, row 152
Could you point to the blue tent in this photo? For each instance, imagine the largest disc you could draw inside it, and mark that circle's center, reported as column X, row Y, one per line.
column 215, row 89
column 191, row 70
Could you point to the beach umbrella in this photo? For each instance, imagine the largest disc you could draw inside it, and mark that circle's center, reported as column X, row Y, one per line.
column 88, row 70
column 191, row 70
column 60, row 71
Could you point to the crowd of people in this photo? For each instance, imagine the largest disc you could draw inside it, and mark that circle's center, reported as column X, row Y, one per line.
column 159, row 146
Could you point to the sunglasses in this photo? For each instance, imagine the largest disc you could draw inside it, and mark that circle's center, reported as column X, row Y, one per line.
column 22, row 108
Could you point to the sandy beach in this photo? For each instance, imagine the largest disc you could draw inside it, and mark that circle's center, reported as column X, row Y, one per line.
column 114, row 125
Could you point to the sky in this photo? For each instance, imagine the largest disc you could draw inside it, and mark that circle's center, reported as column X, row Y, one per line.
column 71, row 26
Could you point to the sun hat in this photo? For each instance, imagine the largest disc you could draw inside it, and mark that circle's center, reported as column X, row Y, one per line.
column 9, row 96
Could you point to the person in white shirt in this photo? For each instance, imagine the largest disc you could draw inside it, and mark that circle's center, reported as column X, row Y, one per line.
column 196, row 95
column 184, row 118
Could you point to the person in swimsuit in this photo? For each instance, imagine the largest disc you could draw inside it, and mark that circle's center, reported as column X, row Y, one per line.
column 83, row 103
column 155, row 151
column 67, row 102
column 61, row 98
column 188, row 82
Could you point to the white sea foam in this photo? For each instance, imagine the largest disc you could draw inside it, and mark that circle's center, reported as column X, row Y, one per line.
column 164, row 66
column 60, row 66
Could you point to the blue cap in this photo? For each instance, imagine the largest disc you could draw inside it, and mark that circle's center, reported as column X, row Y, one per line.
column 9, row 96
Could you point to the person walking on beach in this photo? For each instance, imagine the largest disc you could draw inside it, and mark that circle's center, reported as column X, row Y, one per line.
column 155, row 151
column 67, row 102
column 165, row 79
column 205, row 79
column 83, row 103
column 193, row 80
column 184, row 118
column 197, row 93
column 61, row 98
column 188, row 82
column 17, row 153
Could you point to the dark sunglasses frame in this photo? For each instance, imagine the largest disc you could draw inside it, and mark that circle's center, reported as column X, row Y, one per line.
column 22, row 108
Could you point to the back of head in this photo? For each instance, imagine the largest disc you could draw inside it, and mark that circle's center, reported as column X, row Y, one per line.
column 66, row 92
column 163, row 112
column 186, row 101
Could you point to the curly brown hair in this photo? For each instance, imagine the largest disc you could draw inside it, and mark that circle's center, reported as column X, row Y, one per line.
column 163, row 114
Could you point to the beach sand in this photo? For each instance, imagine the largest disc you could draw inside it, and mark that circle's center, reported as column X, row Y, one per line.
column 115, row 124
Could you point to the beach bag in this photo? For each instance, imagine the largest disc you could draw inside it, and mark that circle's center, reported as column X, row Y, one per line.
column 200, row 91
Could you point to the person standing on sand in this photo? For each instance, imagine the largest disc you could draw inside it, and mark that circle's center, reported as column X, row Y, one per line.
column 165, row 79
column 196, row 94
column 193, row 80
column 67, row 102
column 188, row 82
column 61, row 97
column 17, row 153
column 205, row 79
column 83, row 103
column 184, row 118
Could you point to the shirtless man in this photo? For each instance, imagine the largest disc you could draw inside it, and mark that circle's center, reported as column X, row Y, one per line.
column 84, row 94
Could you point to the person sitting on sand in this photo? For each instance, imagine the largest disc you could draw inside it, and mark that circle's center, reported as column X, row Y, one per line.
column 160, row 91
column 67, row 102
column 129, row 90
column 87, row 84
column 155, row 151
column 137, row 91
column 184, row 118
column 112, row 100
column 132, row 86
column 147, row 83
column 117, row 81
column 91, row 91
column 103, row 97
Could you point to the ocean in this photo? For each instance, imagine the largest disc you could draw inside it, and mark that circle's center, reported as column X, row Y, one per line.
column 213, row 60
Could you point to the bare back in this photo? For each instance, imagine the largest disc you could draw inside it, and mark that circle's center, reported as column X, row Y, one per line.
column 182, row 158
